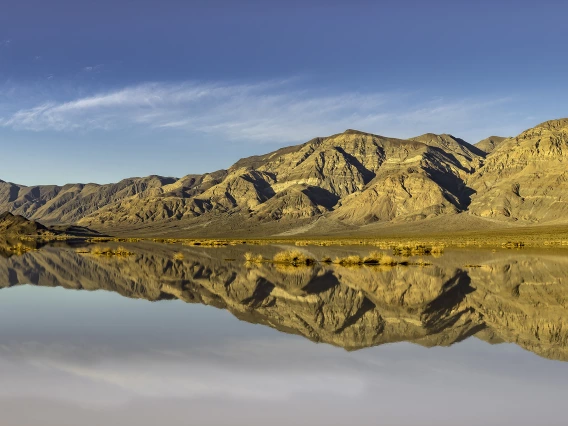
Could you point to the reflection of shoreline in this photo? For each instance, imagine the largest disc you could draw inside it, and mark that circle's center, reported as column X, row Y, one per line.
column 515, row 299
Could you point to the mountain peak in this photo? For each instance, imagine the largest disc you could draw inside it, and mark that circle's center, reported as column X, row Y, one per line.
column 556, row 124
column 357, row 132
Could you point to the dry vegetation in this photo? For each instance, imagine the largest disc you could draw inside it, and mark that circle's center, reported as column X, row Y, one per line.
column 375, row 258
column 298, row 258
column 431, row 245
column 208, row 243
column 417, row 249
column 293, row 257
column 530, row 236
column 512, row 245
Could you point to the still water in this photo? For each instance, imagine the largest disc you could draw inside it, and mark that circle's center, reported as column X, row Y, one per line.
column 210, row 340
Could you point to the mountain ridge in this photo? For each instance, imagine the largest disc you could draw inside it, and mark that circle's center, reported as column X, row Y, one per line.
column 350, row 179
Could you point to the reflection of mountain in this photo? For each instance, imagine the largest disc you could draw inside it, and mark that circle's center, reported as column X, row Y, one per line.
column 523, row 300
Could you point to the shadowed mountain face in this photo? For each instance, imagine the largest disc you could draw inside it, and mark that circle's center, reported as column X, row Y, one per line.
column 18, row 225
column 334, row 184
column 520, row 299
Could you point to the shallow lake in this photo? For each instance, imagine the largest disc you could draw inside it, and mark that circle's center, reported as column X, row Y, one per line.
column 476, row 337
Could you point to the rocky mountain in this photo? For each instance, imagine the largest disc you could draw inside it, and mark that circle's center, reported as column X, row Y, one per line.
column 338, row 183
column 518, row 298
column 353, row 178
column 69, row 203
column 18, row 225
column 525, row 179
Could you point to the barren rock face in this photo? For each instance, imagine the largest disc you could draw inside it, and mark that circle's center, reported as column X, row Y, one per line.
column 520, row 298
column 350, row 179
column 525, row 178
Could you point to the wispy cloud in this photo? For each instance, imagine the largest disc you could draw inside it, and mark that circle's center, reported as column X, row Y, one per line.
column 93, row 68
column 5, row 43
column 275, row 111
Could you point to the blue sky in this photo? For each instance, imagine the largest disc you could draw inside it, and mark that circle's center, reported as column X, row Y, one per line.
column 99, row 91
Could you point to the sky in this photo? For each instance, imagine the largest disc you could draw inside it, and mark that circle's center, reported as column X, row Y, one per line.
column 97, row 91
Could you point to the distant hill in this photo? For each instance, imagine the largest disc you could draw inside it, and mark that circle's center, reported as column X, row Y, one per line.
column 336, row 184
column 487, row 145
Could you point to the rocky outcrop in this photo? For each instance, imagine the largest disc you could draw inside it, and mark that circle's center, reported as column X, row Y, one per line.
column 18, row 225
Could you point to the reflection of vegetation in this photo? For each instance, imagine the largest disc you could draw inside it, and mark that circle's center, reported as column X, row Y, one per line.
column 253, row 258
column 107, row 251
column 291, row 269
column 112, row 239
column 46, row 237
column 349, row 260
column 20, row 248
column 17, row 248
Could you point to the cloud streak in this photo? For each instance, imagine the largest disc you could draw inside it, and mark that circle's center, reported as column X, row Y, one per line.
column 93, row 68
column 273, row 111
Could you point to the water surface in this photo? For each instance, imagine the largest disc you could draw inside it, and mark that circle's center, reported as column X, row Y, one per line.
column 148, row 339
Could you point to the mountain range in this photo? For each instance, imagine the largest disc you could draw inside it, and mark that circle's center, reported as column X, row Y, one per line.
column 343, row 183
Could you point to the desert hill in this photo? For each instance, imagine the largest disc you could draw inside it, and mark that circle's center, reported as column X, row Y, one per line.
column 341, row 183
column 18, row 225
column 487, row 145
